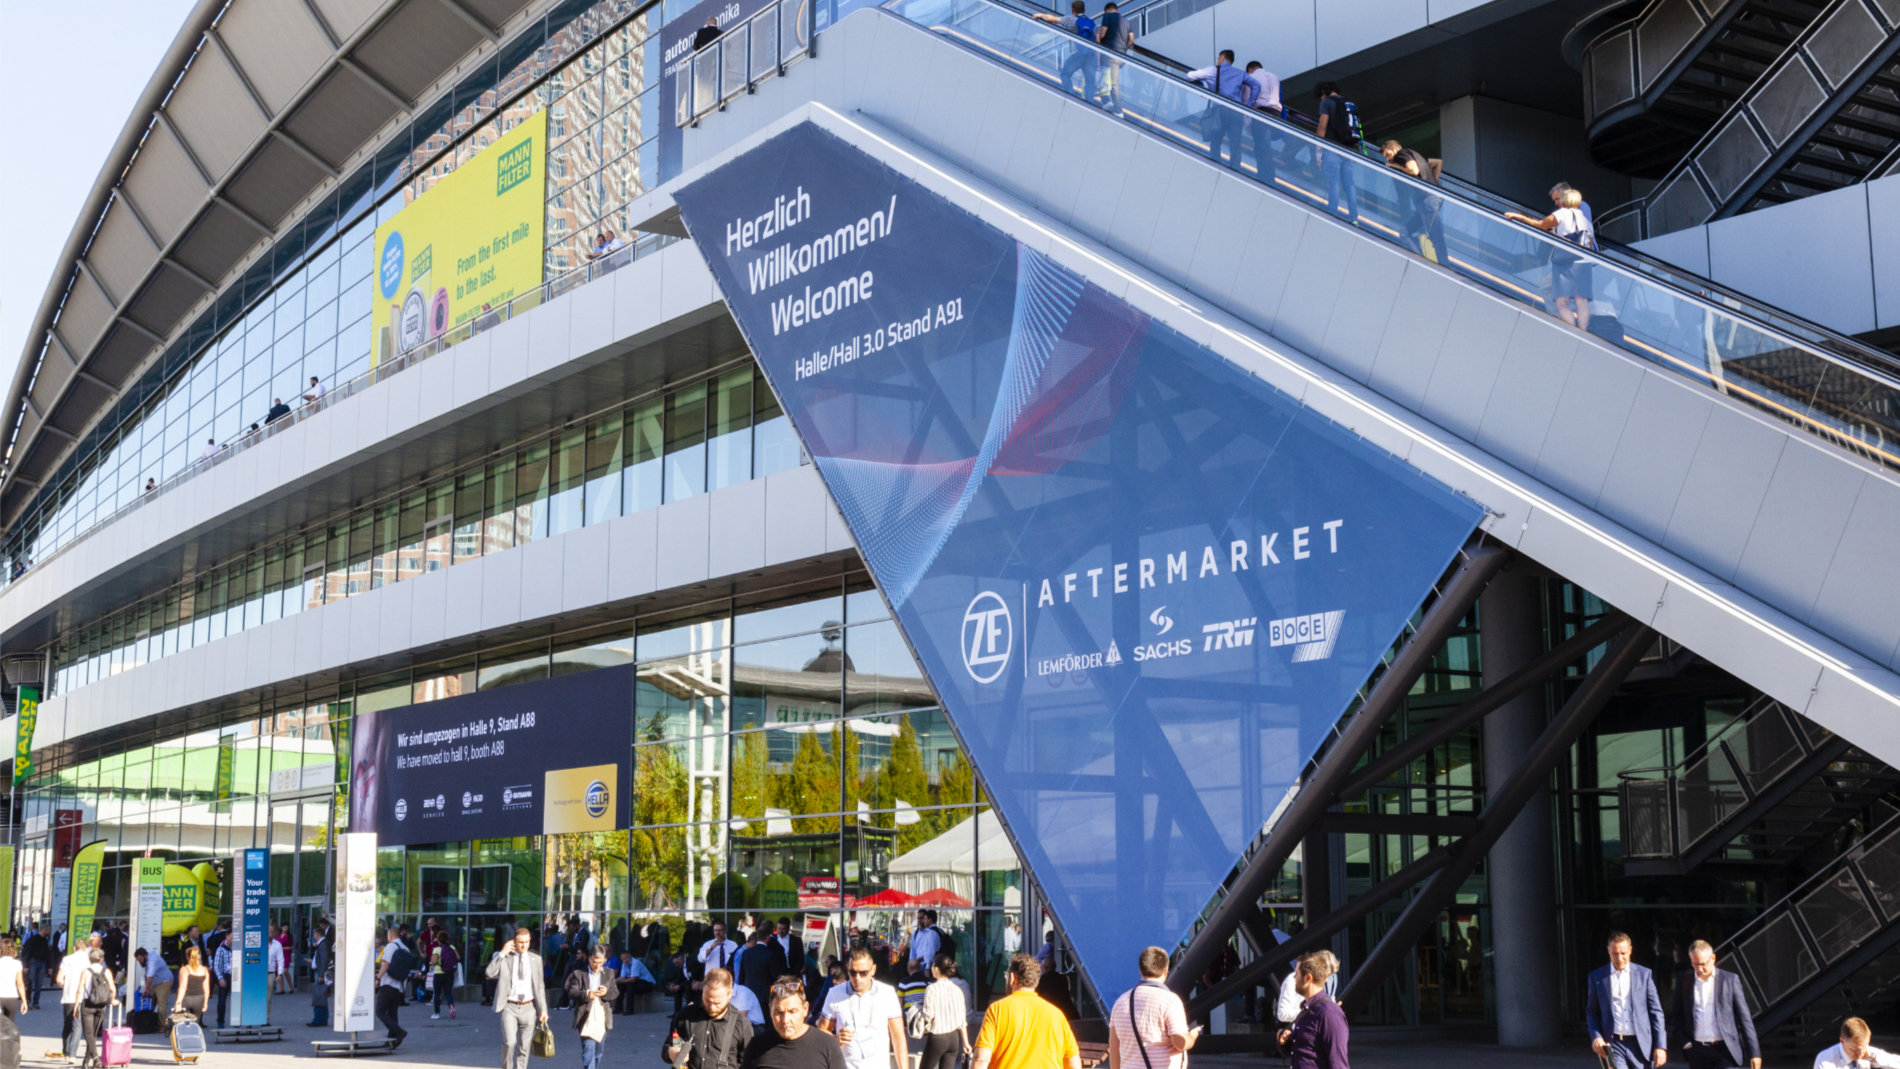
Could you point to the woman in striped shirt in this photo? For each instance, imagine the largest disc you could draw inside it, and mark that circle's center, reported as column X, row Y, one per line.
column 946, row 1016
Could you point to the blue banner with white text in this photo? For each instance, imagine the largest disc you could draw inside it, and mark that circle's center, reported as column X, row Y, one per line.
column 1144, row 583
column 250, row 966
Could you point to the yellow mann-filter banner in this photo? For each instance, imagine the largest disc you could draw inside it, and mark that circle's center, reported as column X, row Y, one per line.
column 6, row 886
column 85, row 895
column 469, row 244
column 23, row 734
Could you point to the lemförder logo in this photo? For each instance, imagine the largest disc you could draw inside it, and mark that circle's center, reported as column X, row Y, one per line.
column 596, row 799
column 988, row 637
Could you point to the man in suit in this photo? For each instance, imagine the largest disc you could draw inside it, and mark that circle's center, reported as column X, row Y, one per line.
column 521, row 997
column 757, row 967
column 1712, row 1015
column 1624, row 1014
column 786, row 950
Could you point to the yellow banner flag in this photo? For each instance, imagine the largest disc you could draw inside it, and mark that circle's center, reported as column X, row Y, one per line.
column 87, row 864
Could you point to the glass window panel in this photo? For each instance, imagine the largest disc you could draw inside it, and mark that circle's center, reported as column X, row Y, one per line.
column 532, row 473
column 499, row 528
column 566, row 477
column 686, row 443
column 795, row 618
column 642, row 449
column 523, row 664
column 603, row 494
column 774, row 443
column 686, row 688
column 468, row 515
column 881, row 675
column 581, row 655
column 788, row 681
column 729, row 447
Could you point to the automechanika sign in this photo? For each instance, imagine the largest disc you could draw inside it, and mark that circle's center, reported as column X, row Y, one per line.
column 1144, row 583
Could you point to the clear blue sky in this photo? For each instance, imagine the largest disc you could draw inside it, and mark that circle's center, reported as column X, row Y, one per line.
column 72, row 70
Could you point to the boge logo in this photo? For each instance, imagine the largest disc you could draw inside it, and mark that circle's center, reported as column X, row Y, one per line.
column 988, row 636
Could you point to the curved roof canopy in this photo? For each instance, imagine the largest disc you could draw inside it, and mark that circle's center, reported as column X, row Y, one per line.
column 257, row 105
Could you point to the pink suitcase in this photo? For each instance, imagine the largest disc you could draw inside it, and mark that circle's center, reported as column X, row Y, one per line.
column 117, row 1039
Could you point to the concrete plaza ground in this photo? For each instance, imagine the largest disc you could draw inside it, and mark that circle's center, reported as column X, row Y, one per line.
column 474, row 1039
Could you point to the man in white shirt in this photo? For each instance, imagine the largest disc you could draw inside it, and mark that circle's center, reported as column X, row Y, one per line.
column 520, row 997
column 1012, row 937
column 1855, row 1050
column 1623, row 1013
column 1287, row 1008
column 865, row 1015
column 389, row 981
column 747, row 1003
column 1712, row 1013
column 72, row 975
column 925, row 942
column 715, row 953
column 314, row 395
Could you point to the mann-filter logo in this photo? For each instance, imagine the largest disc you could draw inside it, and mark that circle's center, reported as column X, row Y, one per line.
column 514, row 167
column 988, row 637
column 1229, row 634
column 1312, row 636
column 596, row 799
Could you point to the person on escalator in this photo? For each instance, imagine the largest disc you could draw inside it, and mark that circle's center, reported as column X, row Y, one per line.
column 1220, row 124
column 1421, row 209
column 1339, row 123
column 1076, row 59
column 1116, row 36
column 1266, row 100
column 1569, row 274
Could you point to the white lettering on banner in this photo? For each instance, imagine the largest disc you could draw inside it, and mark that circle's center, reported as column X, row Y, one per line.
column 1175, row 567
column 1229, row 634
column 447, row 747
column 785, row 213
column 1312, row 636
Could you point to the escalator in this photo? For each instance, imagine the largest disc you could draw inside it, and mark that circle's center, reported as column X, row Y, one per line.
column 1773, row 790
column 1657, row 81
column 1823, row 115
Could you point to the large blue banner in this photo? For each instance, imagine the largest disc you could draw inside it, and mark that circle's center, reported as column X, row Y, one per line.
column 1144, row 583
column 250, row 967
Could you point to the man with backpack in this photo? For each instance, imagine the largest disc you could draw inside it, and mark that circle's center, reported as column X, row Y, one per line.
column 1421, row 209
column 1221, row 125
column 1339, row 123
column 393, row 966
column 1114, row 34
column 1077, row 60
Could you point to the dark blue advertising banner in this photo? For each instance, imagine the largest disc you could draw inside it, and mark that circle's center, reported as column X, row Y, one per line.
column 1144, row 583
column 539, row 758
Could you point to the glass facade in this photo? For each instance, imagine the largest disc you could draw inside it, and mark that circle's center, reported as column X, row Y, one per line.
column 304, row 311
column 790, row 759
column 666, row 446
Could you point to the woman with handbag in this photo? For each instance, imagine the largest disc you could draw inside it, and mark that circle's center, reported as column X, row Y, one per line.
column 591, row 989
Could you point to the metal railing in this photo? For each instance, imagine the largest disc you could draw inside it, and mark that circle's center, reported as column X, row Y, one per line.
column 742, row 56
column 1666, row 811
column 1837, row 912
column 477, row 324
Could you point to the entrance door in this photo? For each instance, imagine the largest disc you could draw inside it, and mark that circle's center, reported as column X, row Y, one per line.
column 302, row 864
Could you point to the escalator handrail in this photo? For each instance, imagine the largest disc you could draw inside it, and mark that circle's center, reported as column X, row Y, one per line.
column 1864, row 431
column 1787, row 903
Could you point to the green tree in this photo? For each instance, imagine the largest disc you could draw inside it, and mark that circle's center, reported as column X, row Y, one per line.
column 752, row 788
column 902, row 779
column 812, row 786
column 657, row 856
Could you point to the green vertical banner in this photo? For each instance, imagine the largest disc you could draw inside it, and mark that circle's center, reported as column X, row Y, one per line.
column 340, row 724
column 6, row 886
column 85, row 901
column 23, row 736
column 227, row 774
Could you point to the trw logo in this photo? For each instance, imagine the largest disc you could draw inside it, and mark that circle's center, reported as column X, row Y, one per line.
column 1229, row 634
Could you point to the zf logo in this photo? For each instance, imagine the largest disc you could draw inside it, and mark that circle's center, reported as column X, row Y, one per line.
column 1229, row 634
column 988, row 636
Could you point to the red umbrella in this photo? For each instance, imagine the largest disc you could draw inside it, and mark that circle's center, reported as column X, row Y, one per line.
column 888, row 897
column 941, row 898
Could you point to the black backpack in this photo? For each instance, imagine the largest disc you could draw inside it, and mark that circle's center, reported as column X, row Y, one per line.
column 98, row 988
column 945, row 944
column 401, row 964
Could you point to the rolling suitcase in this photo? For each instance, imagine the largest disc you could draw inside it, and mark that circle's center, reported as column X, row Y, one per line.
column 188, row 1039
column 117, row 1039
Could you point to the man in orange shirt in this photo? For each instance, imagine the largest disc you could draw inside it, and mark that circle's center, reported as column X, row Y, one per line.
column 1022, row 1030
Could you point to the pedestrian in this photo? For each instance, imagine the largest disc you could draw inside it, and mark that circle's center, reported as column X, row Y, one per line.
column 865, row 1015
column 14, row 999
column 99, row 992
column 1076, row 60
column 1338, row 123
column 151, row 485
column 706, row 34
column 591, row 990
column 1855, row 1050
column 757, row 969
column 210, row 449
column 320, row 954
column 1318, row 1037
column 910, row 998
column 71, row 979
column 1623, row 1013
column 1713, row 1014
column 393, row 966
column 711, row 1033
column 787, row 950
column 926, row 940
column 792, row 1043
column 278, row 410
column 221, row 973
column 41, row 961
column 1022, row 1030
column 274, row 960
column 1264, row 141
column 1118, row 36
column 521, row 998
column 1148, row 1024
column 631, row 980
column 946, row 1016
column 1422, row 227
column 677, row 982
column 1220, row 124
column 1569, row 275
column 442, row 963
column 314, row 395
column 158, row 981
column 716, row 953
column 194, row 986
